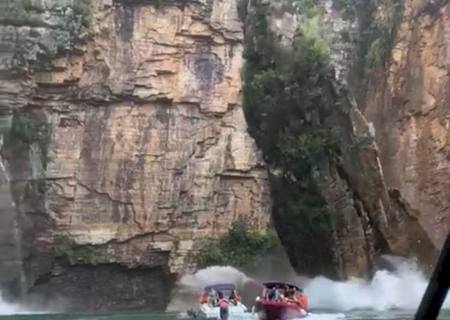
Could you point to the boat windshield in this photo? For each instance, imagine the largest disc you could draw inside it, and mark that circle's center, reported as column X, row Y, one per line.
column 280, row 285
column 280, row 291
column 226, row 289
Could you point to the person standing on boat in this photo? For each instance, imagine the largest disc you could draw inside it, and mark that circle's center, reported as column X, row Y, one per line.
column 203, row 298
column 224, row 307
column 290, row 296
column 212, row 298
column 234, row 298
column 274, row 294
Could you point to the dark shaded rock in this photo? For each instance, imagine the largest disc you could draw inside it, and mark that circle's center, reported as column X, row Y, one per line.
column 104, row 288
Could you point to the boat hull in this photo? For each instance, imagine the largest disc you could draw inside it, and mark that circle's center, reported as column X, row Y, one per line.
column 276, row 310
column 208, row 312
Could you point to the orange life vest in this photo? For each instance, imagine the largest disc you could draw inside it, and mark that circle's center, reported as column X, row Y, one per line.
column 302, row 301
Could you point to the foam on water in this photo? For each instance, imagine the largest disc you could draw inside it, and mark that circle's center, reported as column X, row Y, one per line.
column 9, row 309
column 185, row 295
column 402, row 288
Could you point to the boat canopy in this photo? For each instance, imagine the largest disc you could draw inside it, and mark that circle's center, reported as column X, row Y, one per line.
column 225, row 288
column 280, row 285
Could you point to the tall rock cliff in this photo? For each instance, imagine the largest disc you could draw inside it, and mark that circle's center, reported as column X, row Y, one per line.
column 306, row 65
column 408, row 102
column 124, row 146
column 124, row 143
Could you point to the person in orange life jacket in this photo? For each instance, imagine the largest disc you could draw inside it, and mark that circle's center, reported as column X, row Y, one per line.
column 302, row 300
column 234, row 298
column 223, row 305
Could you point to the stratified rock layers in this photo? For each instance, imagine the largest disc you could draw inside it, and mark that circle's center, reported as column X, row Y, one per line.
column 409, row 107
column 333, row 210
column 124, row 145
column 140, row 152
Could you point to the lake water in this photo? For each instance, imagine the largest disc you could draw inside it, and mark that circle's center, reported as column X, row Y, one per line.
column 351, row 315
column 389, row 295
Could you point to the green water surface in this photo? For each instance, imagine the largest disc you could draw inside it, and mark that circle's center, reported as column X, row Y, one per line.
column 354, row 315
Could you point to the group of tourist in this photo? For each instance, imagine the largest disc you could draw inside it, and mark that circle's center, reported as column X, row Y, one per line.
column 287, row 294
column 214, row 298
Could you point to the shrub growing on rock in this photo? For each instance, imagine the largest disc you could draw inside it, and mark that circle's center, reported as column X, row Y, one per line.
column 241, row 247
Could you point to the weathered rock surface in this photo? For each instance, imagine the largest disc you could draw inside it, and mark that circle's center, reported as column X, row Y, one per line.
column 364, row 216
column 409, row 107
column 124, row 145
column 127, row 143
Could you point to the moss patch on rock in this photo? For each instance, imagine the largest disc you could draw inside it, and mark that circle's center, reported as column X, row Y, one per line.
column 68, row 252
column 28, row 129
column 19, row 13
column 55, row 30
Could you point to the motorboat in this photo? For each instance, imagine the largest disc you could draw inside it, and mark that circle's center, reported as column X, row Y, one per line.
column 275, row 303
column 209, row 303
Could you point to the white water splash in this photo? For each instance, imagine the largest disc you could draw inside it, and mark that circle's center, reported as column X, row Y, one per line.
column 10, row 309
column 399, row 289
column 186, row 293
column 214, row 275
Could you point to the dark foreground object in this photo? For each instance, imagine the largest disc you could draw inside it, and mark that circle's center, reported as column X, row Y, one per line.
column 437, row 288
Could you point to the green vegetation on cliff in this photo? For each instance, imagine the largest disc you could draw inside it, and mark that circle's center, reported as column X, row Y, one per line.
column 82, row 12
column 288, row 97
column 70, row 253
column 377, row 24
column 27, row 130
column 19, row 12
column 28, row 12
column 56, row 29
column 240, row 248
column 378, row 21
column 378, row 36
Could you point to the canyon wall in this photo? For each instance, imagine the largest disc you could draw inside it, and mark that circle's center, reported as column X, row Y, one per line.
column 408, row 103
column 307, row 63
column 125, row 145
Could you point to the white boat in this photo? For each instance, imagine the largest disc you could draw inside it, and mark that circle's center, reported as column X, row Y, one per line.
column 235, row 311
column 208, row 308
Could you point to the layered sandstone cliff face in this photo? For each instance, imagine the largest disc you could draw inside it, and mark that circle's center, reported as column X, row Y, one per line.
column 125, row 145
column 335, row 214
column 409, row 106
